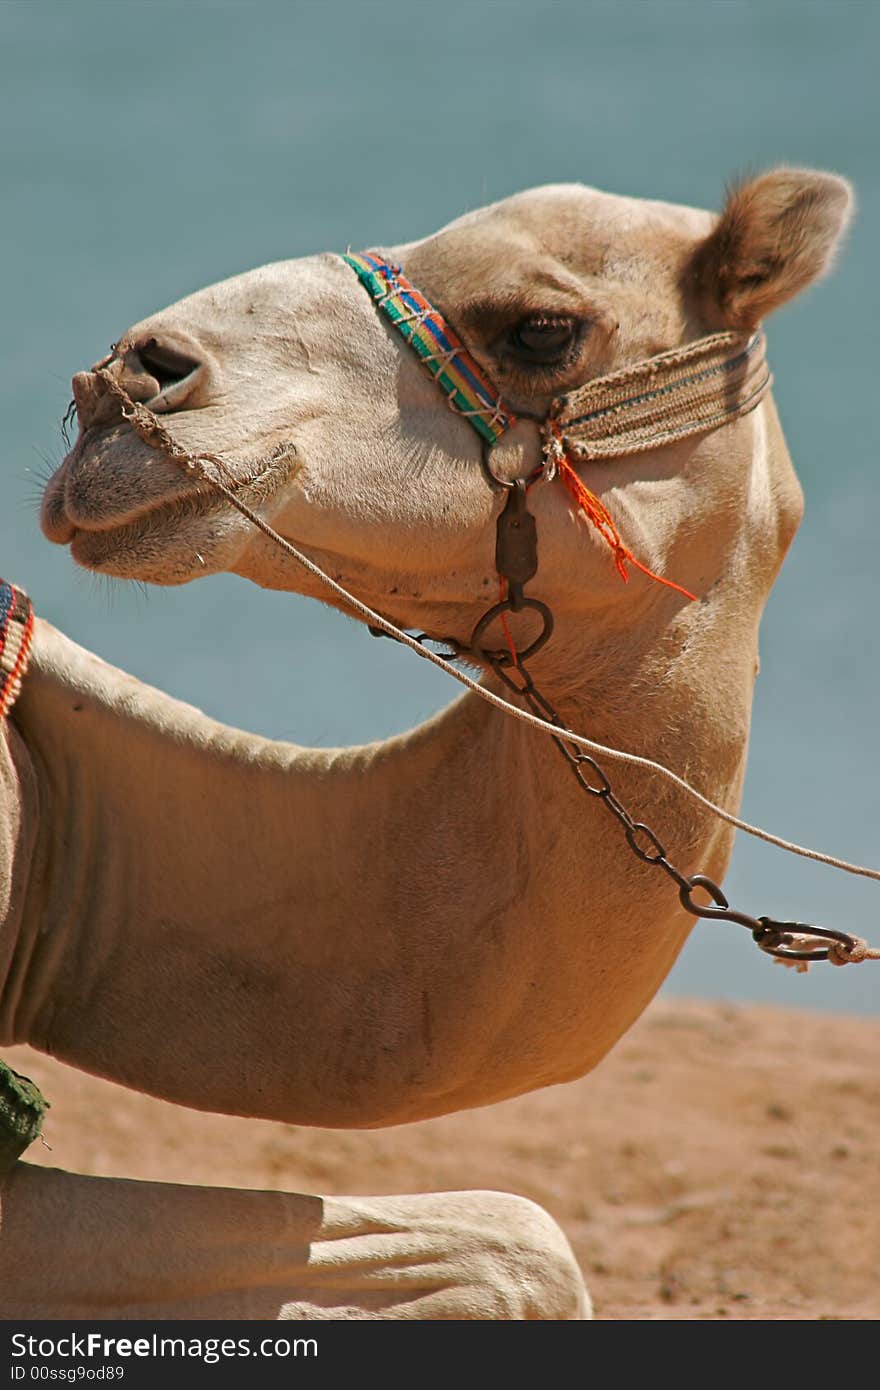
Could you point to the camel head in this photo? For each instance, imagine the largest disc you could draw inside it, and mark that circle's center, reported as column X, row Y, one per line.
column 337, row 435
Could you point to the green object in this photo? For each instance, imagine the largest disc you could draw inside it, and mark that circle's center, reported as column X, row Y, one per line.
column 22, row 1108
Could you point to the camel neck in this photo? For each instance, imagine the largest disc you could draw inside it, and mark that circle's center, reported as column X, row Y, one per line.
column 363, row 936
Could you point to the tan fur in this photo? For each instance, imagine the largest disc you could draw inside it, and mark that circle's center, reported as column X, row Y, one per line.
column 369, row 936
column 775, row 236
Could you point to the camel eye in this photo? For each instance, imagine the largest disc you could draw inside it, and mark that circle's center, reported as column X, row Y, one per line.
column 543, row 340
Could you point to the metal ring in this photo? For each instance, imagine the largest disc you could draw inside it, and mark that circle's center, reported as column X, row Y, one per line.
column 722, row 912
column 505, row 484
column 496, row 483
column 711, row 887
column 503, row 657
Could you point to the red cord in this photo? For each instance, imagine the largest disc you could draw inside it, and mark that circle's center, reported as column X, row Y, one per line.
column 505, row 626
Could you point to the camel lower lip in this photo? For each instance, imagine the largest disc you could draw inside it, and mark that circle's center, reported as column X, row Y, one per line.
column 94, row 550
column 129, row 549
column 93, row 542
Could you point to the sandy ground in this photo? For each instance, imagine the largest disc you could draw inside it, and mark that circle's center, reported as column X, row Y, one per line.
column 721, row 1163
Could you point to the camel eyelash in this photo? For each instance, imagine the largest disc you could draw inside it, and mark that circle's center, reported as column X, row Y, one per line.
column 542, row 343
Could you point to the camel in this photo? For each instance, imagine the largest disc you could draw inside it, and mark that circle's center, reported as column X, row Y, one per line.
column 368, row 936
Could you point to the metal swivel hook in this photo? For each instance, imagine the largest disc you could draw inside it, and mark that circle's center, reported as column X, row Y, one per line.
column 776, row 938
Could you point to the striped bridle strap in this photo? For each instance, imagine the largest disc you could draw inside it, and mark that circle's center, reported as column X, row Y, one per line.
column 436, row 344
column 690, row 390
column 16, row 632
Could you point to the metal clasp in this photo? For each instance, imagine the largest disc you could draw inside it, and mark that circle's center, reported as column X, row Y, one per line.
column 516, row 543
column 516, row 560
column 776, row 938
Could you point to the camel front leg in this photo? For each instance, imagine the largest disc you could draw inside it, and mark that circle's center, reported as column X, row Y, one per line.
column 74, row 1247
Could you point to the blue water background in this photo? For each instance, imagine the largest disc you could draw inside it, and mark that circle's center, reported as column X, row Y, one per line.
column 147, row 149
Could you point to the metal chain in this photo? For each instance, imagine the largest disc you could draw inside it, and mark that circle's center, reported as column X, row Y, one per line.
column 517, row 562
column 776, row 938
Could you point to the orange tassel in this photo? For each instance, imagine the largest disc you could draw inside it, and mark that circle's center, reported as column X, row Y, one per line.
column 599, row 516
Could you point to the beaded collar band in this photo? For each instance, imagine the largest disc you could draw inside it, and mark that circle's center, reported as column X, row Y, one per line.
column 21, row 1105
column 16, row 631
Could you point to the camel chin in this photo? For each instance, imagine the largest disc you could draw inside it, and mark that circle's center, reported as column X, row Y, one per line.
column 150, row 549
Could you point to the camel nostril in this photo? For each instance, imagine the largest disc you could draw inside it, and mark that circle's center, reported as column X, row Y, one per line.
column 164, row 363
column 176, row 373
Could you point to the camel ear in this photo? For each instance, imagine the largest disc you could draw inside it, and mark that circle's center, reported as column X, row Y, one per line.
column 776, row 235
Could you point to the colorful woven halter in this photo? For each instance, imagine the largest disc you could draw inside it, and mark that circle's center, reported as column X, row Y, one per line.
column 16, row 632
column 688, row 390
column 436, row 344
